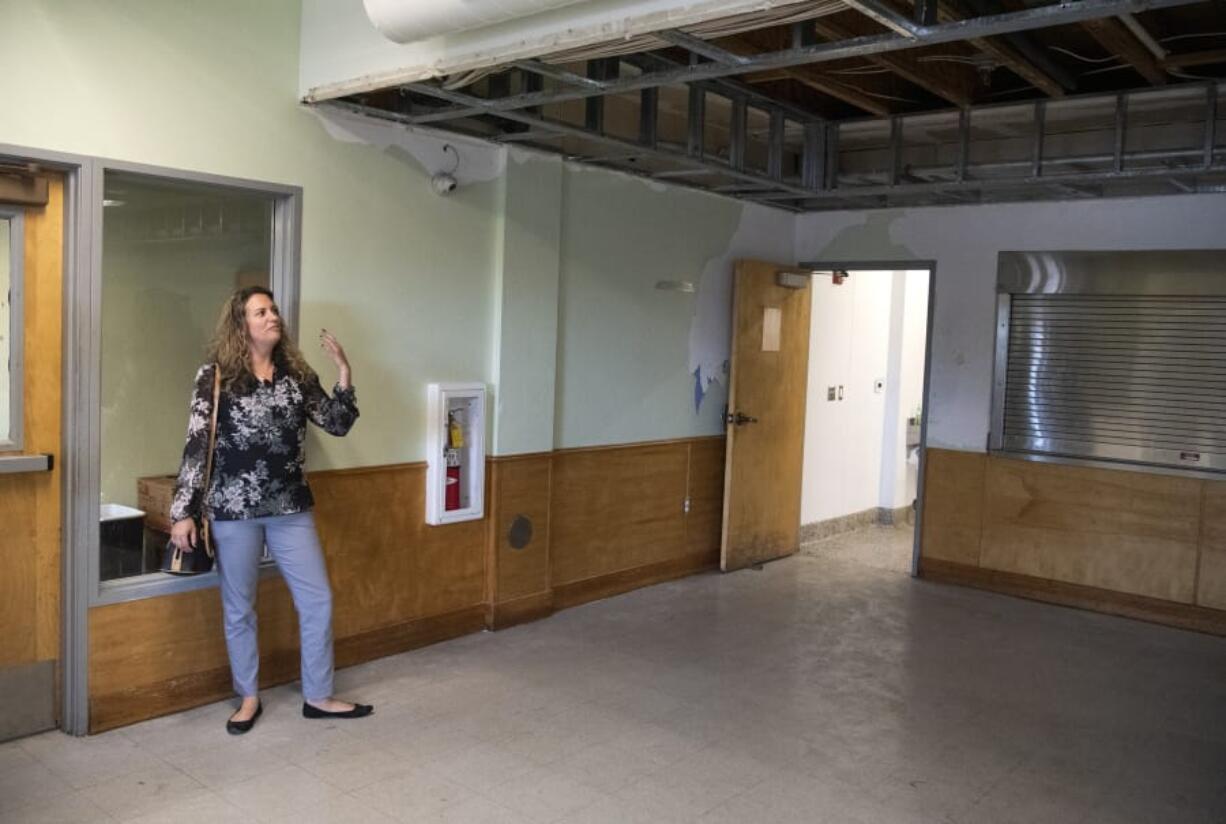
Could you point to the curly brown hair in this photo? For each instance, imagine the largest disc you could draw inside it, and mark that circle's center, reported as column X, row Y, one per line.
column 230, row 348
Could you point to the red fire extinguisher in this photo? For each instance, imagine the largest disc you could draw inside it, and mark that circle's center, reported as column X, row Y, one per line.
column 455, row 441
column 452, row 496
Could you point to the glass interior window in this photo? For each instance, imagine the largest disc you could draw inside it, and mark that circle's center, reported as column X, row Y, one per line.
column 172, row 252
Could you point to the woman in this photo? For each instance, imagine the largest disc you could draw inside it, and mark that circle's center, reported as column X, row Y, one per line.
column 258, row 493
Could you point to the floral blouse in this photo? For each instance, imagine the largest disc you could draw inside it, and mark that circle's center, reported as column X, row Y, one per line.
column 258, row 465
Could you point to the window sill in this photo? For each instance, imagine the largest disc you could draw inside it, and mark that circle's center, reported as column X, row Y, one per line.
column 159, row 584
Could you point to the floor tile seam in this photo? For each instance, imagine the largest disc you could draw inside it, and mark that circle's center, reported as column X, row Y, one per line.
column 375, row 778
column 223, row 800
column 145, row 808
column 704, row 809
column 29, row 803
column 600, row 796
column 96, row 809
column 485, row 796
column 119, row 775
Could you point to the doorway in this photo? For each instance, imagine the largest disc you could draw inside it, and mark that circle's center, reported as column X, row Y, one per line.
column 864, row 414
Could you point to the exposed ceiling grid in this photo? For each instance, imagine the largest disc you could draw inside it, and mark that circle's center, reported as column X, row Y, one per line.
column 871, row 103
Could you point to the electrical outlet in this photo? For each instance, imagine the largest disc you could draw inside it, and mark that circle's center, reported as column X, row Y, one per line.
column 830, row 393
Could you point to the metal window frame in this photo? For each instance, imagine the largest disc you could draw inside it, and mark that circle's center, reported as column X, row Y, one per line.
column 284, row 270
column 1184, row 272
column 14, row 439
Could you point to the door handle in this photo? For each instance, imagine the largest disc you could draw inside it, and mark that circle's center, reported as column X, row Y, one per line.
column 738, row 418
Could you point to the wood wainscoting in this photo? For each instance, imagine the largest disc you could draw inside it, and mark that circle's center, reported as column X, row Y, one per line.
column 604, row 520
column 1144, row 545
column 622, row 520
column 560, row 529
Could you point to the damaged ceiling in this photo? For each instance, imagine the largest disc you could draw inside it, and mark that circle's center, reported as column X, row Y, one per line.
column 839, row 104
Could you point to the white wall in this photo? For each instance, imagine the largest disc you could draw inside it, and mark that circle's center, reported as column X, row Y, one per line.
column 964, row 242
column 854, row 447
column 625, row 348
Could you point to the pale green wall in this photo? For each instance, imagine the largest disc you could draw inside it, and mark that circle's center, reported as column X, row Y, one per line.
column 159, row 305
column 623, row 345
column 403, row 277
column 526, row 325
column 4, row 329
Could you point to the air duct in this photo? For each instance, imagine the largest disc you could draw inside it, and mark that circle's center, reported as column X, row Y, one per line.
column 405, row 21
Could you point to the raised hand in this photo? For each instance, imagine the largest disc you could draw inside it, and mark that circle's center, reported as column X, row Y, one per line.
column 334, row 350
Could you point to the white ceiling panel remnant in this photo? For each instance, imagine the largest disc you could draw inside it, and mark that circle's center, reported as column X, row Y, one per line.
column 343, row 53
column 404, row 21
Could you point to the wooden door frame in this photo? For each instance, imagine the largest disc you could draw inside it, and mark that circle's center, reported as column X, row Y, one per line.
column 897, row 265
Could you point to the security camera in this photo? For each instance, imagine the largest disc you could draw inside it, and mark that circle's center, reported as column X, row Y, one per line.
column 443, row 183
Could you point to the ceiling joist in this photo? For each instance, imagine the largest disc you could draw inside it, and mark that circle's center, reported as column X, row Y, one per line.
column 1115, row 37
column 953, row 85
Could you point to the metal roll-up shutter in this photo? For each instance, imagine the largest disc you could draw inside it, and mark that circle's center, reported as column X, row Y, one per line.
column 1118, row 377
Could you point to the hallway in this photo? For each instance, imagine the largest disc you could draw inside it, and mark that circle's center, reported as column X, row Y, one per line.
column 818, row 689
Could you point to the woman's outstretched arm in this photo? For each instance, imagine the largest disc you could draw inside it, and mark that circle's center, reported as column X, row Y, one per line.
column 334, row 415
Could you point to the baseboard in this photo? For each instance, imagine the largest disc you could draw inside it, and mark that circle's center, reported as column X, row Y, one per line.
column 118, row 709
column 895, row 517
column 408, row 635
column 520, row 610
column 140, row 703
column 1139, row 607
column 615, row 583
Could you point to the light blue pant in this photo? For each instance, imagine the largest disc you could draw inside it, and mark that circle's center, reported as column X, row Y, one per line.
column 294, row 546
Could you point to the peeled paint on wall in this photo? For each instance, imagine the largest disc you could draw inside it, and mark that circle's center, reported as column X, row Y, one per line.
column 875, row 233
column 471, row 162
column 623, row 344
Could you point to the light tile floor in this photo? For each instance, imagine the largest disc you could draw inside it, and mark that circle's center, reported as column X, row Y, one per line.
column 824, row 688
column 886, row 548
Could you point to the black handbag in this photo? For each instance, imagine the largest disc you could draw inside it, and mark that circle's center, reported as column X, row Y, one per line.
column 176, row 561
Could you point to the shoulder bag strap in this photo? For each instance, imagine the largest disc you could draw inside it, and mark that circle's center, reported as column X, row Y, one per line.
column 208, row 464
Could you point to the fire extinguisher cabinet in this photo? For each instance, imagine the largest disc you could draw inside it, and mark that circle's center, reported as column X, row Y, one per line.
column 455, row 453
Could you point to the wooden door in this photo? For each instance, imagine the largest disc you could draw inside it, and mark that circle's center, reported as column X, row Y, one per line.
column 30, row 500
column 766, row 415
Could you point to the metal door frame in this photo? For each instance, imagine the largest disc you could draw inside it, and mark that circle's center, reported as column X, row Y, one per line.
column 852, row 266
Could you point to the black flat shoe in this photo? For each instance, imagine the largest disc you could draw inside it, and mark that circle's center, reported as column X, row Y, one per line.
column 358, row 711
column 240, row 727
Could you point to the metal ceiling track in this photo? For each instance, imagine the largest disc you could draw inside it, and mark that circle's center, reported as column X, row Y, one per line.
column 1057, row 14
column 818, row 175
